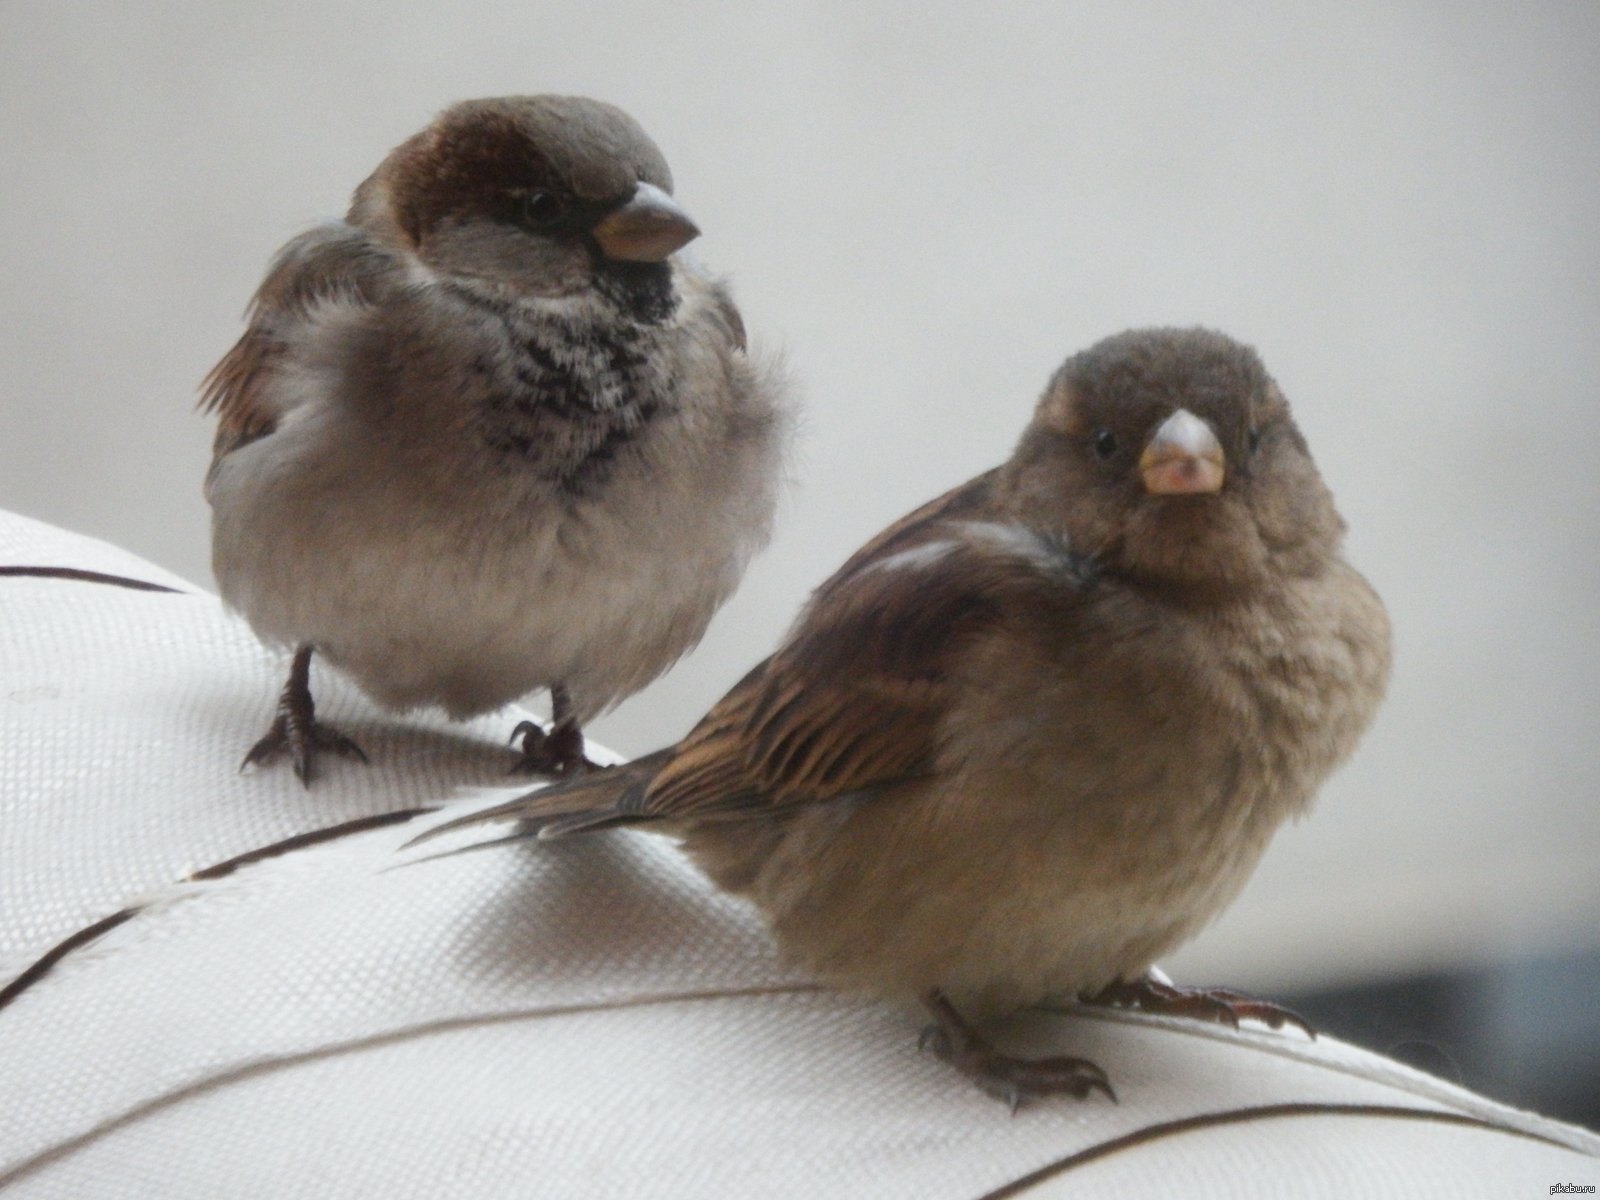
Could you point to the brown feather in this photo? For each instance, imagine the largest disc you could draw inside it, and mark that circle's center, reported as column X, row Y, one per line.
column 328, row 265
column 972, row 497
column 858, row 695
column 234, row 391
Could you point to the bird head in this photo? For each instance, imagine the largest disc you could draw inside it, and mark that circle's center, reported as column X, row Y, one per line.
column 1170, row 455
column 546, row 195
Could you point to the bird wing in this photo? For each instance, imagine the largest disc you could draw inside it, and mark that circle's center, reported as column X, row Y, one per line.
column 334, row 263
column 858, row 694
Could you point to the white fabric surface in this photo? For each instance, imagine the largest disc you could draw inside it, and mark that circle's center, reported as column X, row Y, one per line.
column 582, row 1019
column 126, row 715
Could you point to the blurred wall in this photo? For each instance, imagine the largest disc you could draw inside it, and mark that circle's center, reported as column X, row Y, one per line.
column 927, row 208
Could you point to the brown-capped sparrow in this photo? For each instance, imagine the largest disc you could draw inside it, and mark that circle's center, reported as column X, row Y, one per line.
column 490, row 433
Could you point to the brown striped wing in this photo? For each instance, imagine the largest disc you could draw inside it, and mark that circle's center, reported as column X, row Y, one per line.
column 857, row 695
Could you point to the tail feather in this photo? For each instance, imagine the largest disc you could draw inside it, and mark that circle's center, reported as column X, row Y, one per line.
column 600, row 800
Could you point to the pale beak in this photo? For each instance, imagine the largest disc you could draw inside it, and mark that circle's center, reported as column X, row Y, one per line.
column 647, row 228
column 1183, row 458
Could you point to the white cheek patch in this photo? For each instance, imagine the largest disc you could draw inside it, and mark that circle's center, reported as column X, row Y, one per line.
column 917, row 558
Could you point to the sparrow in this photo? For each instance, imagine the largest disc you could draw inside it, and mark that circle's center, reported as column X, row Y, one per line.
column 1038, row 733
column 490, row 433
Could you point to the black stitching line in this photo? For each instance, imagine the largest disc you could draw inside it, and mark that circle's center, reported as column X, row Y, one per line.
column 301, row 840
column 251, row 1070
column 138, row 585
column 43, row 965
column 1235, row 1116
column 60, row 950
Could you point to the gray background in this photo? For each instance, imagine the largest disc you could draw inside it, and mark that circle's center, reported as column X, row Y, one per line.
column 926, row 208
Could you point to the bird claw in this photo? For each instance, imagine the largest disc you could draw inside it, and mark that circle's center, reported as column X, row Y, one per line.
column 303, row 738
column 1017, row 1079
column 1002, row 1076
column 297, row 729
column 558, row 752
column 1222, row 1006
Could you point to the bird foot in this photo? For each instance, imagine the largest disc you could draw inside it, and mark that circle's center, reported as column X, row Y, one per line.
column 303, row 736
column 559, row 752
column 1221, row 1005
column 1000, row 1075
column 296, row 727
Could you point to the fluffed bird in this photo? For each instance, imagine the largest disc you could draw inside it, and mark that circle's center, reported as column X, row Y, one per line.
column 1038, row 733
column 490, row 434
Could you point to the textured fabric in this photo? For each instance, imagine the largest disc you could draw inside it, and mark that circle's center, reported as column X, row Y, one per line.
column 28, row 543
column 578, row 1019
column 113, row 697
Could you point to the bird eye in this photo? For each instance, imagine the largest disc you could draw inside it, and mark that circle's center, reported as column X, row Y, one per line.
column 1253, row 439
column 1105, row 443
column 541, row 209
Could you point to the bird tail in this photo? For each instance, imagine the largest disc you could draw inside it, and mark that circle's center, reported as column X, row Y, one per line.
column 600, row 800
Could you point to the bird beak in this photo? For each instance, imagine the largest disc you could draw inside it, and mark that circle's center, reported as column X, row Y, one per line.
column 1183, row 458
column 647, row 228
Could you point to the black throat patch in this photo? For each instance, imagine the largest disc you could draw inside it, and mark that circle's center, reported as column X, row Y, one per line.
column 641, row 291
column 570, row 395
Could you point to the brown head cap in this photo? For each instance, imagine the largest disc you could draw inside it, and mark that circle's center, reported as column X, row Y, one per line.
column 482, row 155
